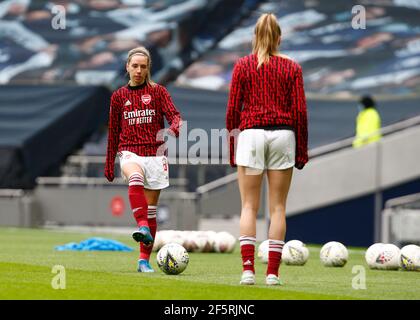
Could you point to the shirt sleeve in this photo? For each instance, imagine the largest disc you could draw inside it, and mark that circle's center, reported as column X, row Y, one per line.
column 114, row 129
column 171, row 112
column 298, row 101
column 233, row 112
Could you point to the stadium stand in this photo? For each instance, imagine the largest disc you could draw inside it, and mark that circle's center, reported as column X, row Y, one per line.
column 336, row 58
column 58, row 66
column 92, row 46
column 41, row 125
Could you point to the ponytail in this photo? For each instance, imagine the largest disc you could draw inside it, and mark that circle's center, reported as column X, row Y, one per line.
column 267, row 35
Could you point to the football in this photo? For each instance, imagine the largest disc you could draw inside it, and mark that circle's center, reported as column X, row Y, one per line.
column 410, row 258
column 158, row 242
column 172, row 258
column 387, row 258
column 211, row 239
column 199, row 241
column 372, row 254
column 224, row 242
column 334, row 254
column 262, row 252
column 295, row 253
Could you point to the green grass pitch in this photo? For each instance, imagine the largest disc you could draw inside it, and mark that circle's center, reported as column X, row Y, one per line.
column 27, row 257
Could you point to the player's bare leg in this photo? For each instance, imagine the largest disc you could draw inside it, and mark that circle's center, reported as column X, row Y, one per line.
column 130, row 168
column 152, row 196
column 250, row 188
column 278, row 186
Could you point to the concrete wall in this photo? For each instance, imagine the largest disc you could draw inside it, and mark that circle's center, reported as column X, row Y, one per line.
column 336, row 177
column 351, row 173
column 93, row 206
column 17, row 208
column 221, row 202
column 342, row 175
column 400, row 157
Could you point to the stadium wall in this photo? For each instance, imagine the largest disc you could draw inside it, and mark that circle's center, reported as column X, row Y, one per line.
column 338, row 195
column 351, row 173
column 350, row 222
column 41, row 125
column 108, row 205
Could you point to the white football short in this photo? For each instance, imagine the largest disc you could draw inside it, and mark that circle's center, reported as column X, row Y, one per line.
column 266, row 149
column 156, row 169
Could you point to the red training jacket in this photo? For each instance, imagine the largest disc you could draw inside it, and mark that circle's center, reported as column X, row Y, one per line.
column 136, row 116
column 269, row 96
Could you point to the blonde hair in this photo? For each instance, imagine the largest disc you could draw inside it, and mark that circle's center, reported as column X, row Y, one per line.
column 267, row 34
column 144, row 52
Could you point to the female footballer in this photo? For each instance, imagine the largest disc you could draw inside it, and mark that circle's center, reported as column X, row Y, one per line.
column 136, row 121
column 267, row 105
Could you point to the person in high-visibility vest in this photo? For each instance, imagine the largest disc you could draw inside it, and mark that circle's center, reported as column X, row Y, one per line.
column 368, row 123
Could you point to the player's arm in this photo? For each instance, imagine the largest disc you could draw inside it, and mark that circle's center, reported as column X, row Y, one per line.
column 114, row 129
column 233, row 112
column 301, row 120
column 171, row 113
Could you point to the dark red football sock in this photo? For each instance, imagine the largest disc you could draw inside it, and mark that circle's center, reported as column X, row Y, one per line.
column 275, row 249
column 247, row 252
column 137, row 199
column 145, row 251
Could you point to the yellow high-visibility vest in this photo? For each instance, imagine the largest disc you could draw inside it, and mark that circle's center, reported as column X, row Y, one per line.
column 368, row 125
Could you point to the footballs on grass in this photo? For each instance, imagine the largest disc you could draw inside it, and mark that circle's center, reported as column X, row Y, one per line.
column 172, row 258
column 334, row 254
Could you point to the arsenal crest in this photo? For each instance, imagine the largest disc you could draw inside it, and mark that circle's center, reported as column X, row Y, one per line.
column 146, row 98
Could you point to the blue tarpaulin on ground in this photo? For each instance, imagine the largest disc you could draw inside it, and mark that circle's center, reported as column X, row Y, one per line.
column 95, row 244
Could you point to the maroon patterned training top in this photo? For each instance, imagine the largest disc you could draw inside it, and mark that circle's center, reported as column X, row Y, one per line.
column 136, row 116
column 272, row 95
